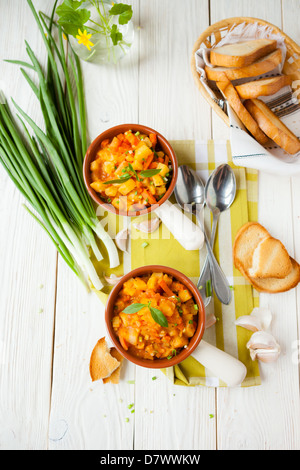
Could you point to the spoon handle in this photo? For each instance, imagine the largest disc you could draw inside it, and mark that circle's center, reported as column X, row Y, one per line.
column 205, row 275
column 219, row 280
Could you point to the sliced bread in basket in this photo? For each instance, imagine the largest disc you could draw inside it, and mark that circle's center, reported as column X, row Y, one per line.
column 262, row 87
column 272, row 126
column 242, row 53
column 260, row 67
column 231, row 95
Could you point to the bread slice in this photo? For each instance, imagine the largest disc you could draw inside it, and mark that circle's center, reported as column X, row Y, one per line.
column 102, row 363
column 270, row 259
column 235, row 102
column 262, row 87
column 246, row 241
column 115, row 376
column 272, row 285
column 241, row 54
column 263, row 65
column 272, row 126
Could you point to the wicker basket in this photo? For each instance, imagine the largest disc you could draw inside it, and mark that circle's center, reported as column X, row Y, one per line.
column 213, row 35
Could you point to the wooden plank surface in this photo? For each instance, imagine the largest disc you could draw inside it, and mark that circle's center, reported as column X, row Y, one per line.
column 49, row 324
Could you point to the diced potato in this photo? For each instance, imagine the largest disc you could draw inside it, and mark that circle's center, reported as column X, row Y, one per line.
column 189, row 329
column 126, row 187
column 167, row 279
column 179, row 342
column 95, row 165
column 142, row 152
column 153, row 280
column 111, row 191
column 160, row 190
column 120, row 203
column 164, row 169
column 98, row 186
column 129, row 288
column 137, row 166
column 139, row 284
column 116, row 322
column 177, row 286
column 147, row 141
column 167, row 307
column 157, row 180
column 120, row 168
column 188, row 308
column 184, row 295
column 109, row 167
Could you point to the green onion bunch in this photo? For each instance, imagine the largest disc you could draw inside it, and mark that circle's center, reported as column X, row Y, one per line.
column 47, row 165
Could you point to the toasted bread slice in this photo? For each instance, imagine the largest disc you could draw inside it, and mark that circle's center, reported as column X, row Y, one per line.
column 102, row 363
column 272, row 126
column 234, row 100
column 270, row 259
column 262, row 87
column 115, row 376
column 246, row 241
column 273, row 285
column 241, row 54
column 263, row 65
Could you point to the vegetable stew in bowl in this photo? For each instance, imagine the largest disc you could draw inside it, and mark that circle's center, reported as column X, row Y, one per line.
column 156, row 316
column 130, row 169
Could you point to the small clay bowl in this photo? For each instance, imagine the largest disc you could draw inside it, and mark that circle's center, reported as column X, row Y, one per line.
column 194, row 341
column 162, row 143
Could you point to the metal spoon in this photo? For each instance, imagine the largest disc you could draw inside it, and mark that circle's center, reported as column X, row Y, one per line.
column 189, row 193
column 220, row 191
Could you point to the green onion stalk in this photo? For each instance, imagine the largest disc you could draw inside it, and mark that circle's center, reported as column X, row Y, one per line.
column 47, row 165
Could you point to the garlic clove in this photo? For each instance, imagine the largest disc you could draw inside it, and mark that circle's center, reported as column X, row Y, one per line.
column 265, row 355
column 264, row 315
column 121, row 239
column 262, row 340
column 210, row 320
column 148, row 226
column 112, row 279
column 248, row 322
column 259, row 319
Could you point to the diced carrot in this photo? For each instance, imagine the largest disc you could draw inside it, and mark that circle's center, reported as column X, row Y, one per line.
column 153, row 139
column 148, row 196
column 121, row 137
column 115, row 143
column 153, row 165
column 104, row 143
column 148, row 161
column 123, row 342
column 167, row 160
column 161, row 160
column 162, row 283
column 132, row 138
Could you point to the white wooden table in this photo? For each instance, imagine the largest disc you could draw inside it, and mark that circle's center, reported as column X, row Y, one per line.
column 49, row 324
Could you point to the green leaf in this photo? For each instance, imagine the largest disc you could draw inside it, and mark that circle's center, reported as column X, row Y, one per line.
column 125, row 12
column 115, row 35
column 158, row 317
column 122, row 179
column 148, row 173
column 71, row 18
column 133, row 308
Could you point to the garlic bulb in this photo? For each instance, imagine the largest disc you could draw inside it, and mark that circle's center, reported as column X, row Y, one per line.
column 148, row 226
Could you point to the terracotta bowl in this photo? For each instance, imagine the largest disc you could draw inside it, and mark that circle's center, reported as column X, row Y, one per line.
column 162, row 143
column 194, row 341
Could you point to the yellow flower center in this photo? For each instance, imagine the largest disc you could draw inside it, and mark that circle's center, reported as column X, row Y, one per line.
column 84, row 38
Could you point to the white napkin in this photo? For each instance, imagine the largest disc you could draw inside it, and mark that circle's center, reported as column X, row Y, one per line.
column 246, row 151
